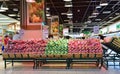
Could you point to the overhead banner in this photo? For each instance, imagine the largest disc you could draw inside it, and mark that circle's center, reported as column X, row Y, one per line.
column 96, row 29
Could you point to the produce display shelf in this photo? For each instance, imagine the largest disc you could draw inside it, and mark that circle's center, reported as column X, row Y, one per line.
column 37, row 58
column 114, row 45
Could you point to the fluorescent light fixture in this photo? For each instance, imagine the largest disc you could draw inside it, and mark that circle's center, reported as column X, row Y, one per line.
column 2, row 10
column 47, row 13
column 18, row 18
column 4, row 6
column 97, row 19
column 92, row 16
column 106, row 12
column 11, row 14
column 95, row 12
column 47, row 8
column 67, row 0
column 68, row 4
column 15, row 9
column 103, row 3
column 97, row 7
column 69, row 12
column 30, row 1
column 69, row 16
column 117, row 13
column 3, row 18
column 63, row 13
column 66, row 20
column 110, row 17
column 7, row 21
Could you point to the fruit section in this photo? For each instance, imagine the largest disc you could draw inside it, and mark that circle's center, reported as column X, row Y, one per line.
column 55, row 47
column 85, row 46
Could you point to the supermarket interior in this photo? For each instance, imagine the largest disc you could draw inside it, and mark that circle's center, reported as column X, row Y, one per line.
column 59, row 36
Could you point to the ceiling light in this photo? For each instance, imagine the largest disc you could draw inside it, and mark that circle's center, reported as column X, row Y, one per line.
column 69, row 16
column 69, row 12
column 110, row 17
column 103, row 3
column 97, row 7
column 2, row 10
column 3, row 18
column 95, row 12
column 47, row 8
column 117, row 13
column 15, row 9
column 47, row 13
column 30, row 1
column 97, row 19
column 92, row 16
column 66, row 20
column 67, row 0
column 106, row 12
column 11, row 14
column 4, row 6
column 68, row 4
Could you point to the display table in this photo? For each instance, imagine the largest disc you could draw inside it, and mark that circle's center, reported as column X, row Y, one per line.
column 60, row 49
column 36, row 58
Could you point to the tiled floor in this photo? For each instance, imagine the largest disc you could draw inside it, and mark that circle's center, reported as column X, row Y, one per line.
column 26, row 68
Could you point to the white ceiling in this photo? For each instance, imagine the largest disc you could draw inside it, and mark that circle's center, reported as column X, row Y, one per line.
column 5, row 20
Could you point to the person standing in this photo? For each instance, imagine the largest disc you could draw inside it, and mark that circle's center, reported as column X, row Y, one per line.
column 6, row 40
column 16, row 36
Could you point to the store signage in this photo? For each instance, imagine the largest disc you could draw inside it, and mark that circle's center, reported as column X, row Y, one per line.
column 45, row 32
column 118, row 26
column 96, row 29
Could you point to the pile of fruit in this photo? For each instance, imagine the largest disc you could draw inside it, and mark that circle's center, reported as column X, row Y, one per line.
column 57, row 47
column 84, row 46
column 32, row 46
column 60, row 46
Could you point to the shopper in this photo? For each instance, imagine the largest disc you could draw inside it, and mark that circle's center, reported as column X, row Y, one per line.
column 6, row 40
column 16, row 36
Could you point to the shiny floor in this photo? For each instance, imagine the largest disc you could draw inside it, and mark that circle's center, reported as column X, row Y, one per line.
column 26, row 68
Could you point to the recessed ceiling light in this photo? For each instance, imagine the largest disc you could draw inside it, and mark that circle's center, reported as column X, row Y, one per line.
column 11, row 14
column 78, row 10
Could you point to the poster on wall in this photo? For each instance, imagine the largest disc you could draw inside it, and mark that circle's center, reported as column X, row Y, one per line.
column 55, row 25
column 35, row 12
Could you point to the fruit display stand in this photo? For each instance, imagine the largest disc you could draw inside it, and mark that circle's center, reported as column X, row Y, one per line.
column 62, row 49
